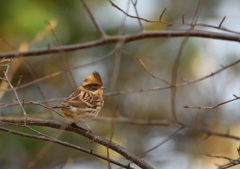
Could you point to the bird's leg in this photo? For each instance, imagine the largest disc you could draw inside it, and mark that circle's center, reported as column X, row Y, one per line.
column 89, row 128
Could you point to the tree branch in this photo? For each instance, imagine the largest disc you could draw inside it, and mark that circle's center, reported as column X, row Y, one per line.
column 74, row 128
column 63, row 143
column 123, row 38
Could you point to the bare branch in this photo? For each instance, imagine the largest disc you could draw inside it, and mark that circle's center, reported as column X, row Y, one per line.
column 50, row 139
column 50, row 108
column 99, row 29
column 136, row 11
column 192, row 24
column 74, row 128
column 150, row 73
column 220, row 25
column 160, row 18
column 231, row 163
column 213, row 107
column 183, row 18
column 209, row 132
column 125, row 38
column 15, row 92
column 164, row 141
column 174, row 79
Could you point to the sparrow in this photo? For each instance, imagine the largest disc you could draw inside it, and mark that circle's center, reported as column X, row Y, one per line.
column 85, row 103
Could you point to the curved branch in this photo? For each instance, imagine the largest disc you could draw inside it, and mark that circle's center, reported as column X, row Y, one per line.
column 124, row 38
column 62, row 143
column 74, row 128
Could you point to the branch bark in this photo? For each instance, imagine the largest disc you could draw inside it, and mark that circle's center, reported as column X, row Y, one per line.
column 123, row 38
column 74, row 128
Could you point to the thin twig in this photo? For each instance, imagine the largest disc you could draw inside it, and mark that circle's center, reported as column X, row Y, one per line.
column 110, row 141
column 176, row 65
column 174, row 79
column 212, row 107
column 171, row 24
column 160, row 18
column 34, row 77
column 115, row 72
column 209, row 132
column 231, row 163
column 164, row 141
column 30, row 102
column 220, row 25
column 183, row 18
column 99, row 29
column 136, row 11
column 19, row 81
column 150, row 73
column 15, row 92
column 50, row 108
column 3, row 79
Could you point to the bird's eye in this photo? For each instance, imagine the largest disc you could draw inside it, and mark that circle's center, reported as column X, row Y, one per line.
column 95, row 85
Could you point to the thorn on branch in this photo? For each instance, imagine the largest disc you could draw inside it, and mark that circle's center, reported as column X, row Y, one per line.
column 236, row 96
column 19, row 81
column 183, row 18
column 238, row 150
column 206, row 137
column 220, row 25
column 129, row 165
column 90, row 141
column 23, row 102
column 160, row 18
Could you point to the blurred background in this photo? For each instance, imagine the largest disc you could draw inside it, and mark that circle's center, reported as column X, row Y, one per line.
column 36, row 24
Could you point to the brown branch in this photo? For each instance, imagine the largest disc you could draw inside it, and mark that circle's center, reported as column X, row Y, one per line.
column 183, row 18
column 97, row 139
column 31, row 102
column 232, row 162
column 192, row 24
column 212, row 107
column 220, row 25
column 150, row 73
column 74, row 128
column 160, row 18
column 66, row 144
column 124, row 38
column 110, row 139
column 3, row 79
column 50, row 108
column 35, row 81
column 99, row 29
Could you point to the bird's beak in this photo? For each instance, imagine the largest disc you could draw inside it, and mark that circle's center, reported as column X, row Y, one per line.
column 104, row 87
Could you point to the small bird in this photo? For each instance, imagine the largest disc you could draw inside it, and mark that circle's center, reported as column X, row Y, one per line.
column 85, row 103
